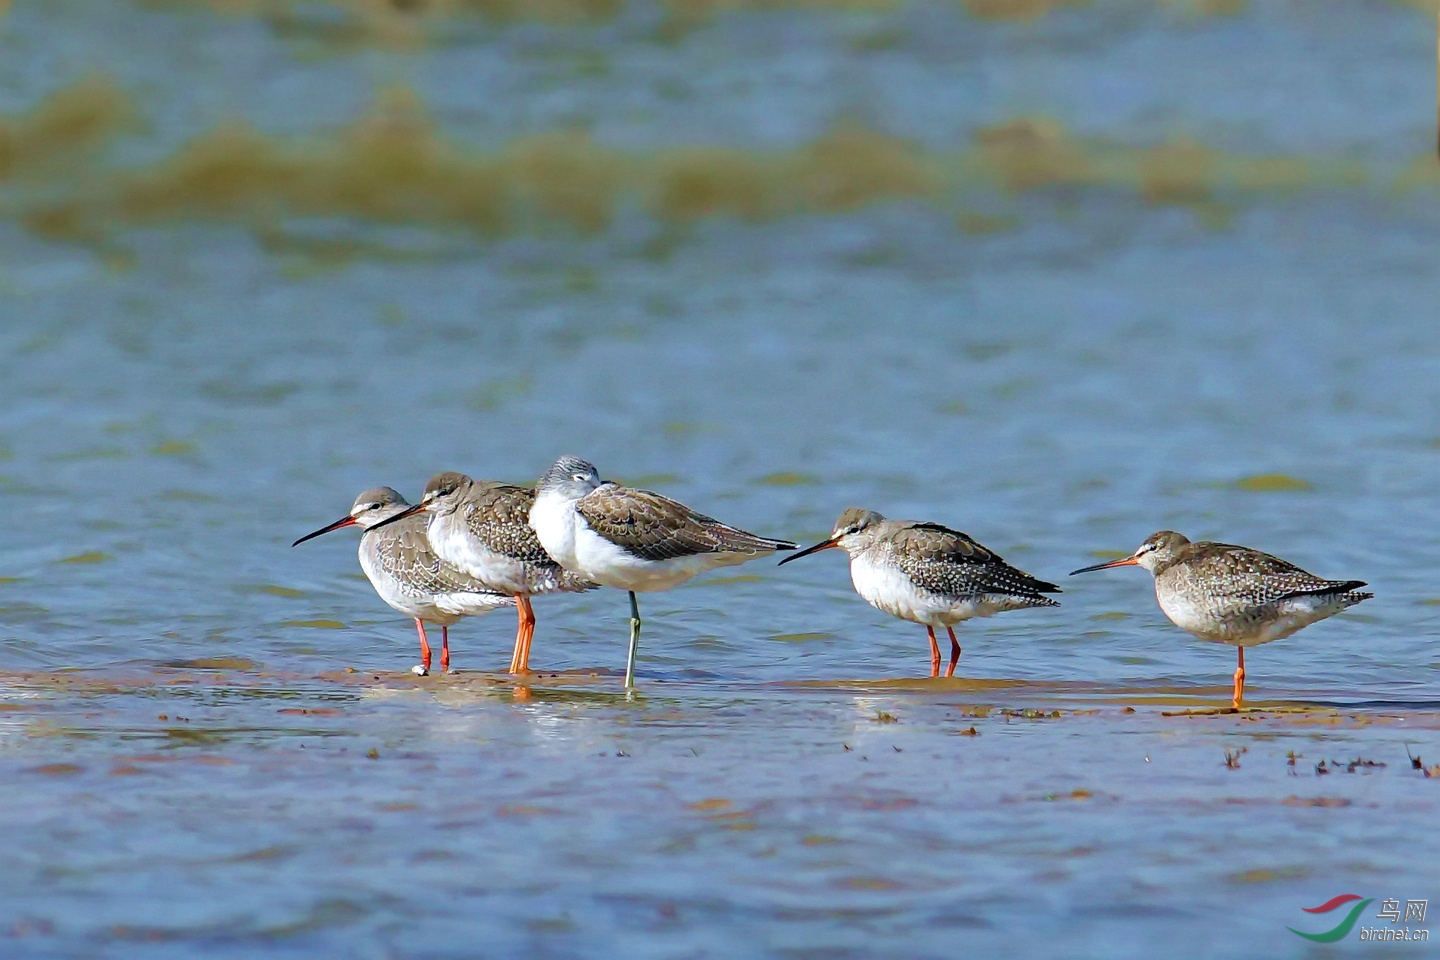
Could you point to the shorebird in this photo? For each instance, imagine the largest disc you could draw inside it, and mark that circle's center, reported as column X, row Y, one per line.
column 929, row 574
column 483, row 528
column 1235, row 595
column 408, row 575
column 632, row 539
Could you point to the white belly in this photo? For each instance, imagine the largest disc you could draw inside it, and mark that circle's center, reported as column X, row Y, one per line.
column 1189, row 616
column 606, row 563
column 568, row 538
column 553, row 518
column 409, row 602
column 453, row 543
column 470, row 604
column 886, row 587
column 1251, row 627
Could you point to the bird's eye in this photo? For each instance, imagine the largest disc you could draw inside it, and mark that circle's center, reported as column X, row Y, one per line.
column 578, row 476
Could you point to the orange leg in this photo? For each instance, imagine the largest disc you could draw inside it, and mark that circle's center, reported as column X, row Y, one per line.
column 954, row 652
column 519, row 638
column 525, row 617
column 529, row 633
column 424, row 645
column 444, row 649
column 934, row 652
column 1239, row 680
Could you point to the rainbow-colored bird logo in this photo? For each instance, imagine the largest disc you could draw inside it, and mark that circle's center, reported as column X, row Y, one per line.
column 1341, row 928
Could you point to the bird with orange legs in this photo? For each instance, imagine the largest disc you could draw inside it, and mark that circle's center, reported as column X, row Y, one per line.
column 1228, row 594
column 929, row 574
column 483, row 528
column 407, row 574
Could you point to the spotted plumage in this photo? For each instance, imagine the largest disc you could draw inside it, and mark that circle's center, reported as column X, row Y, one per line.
column 951, row 564
column 632, row 539
column 657, row 528
column 402, row 553
column 1230, row 594
column 483, row 528
column 407, row 573
column 929, row 574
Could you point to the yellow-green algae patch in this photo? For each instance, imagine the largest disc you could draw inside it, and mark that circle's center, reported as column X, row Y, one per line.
column 408, row 20
column 788, row 479
column 65, row 130
column 980, row 224
column 214, row 663
column 1272, row 482
column 1270, row 875
column 173, row 448
column 394, row 165
column 274, row 591
column 92, row 556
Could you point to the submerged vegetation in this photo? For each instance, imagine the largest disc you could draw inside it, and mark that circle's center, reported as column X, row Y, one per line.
column 68, row 129
column 386, row 17
column 341, row 24
column 395, row 165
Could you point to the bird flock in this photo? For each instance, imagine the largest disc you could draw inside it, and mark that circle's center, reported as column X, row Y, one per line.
column 470, row 546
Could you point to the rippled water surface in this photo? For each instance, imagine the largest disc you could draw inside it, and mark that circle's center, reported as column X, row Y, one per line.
column 1058, row 280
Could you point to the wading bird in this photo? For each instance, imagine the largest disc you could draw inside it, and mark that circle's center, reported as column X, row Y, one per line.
column 406, row 572
column 929, row 574
column 632, row 539
column 483, row 528
column 1235, row 595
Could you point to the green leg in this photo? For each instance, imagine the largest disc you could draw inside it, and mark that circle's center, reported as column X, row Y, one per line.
column 634, row 642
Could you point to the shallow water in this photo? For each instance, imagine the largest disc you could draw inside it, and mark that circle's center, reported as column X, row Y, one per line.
column 1060, row 284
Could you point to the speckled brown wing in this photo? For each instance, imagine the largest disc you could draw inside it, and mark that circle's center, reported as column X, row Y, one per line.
column 657, row 528
column 498, row 515
column 404, row 552
column 953, row 564
column 1248, row 576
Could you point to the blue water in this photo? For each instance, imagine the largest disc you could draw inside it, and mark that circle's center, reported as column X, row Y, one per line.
column 179, row 400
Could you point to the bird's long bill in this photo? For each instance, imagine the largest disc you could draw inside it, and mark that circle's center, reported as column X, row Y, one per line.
column 345, row 521
column 822, row 545
column 407, row 512
column 1122, row 562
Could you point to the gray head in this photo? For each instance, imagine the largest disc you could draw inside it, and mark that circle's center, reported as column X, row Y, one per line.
column 445, row 491
column 372, row 507
column 569, row 477
column 853, row 520
column 443, row 494
column 1159, row 551
column 852, row 533
column 376, row 504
